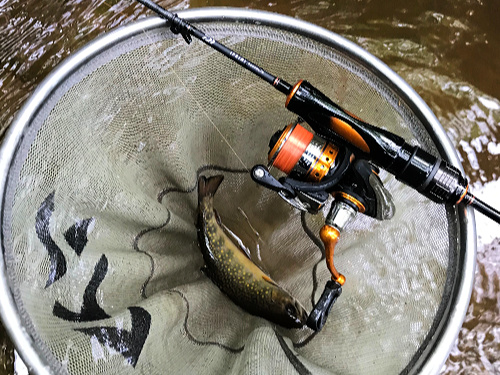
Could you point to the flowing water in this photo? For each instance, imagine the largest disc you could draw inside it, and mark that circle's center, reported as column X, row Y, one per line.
column 448, row 51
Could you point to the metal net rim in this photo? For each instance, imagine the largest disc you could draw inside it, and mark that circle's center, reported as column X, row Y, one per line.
column 431, row 358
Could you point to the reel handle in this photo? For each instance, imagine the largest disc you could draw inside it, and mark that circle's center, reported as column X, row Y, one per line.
column 330, row 236
column 318, row 316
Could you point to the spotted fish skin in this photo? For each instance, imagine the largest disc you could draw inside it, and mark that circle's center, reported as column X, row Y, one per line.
column 234, row 273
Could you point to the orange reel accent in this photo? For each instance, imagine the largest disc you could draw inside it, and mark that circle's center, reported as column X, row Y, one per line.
column 277, row 146
column 348, row 133
column 463, row 194
column 292, row 92
column 291, row 149
column 351, row 199
column 323, row 164
column 330, row 236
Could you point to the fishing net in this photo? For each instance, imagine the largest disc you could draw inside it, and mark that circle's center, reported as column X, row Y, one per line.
column 99, row 211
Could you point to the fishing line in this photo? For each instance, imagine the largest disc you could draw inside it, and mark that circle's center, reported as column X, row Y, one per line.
column 191, row 94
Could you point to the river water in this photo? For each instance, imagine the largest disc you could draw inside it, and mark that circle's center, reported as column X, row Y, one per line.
column 448, row 51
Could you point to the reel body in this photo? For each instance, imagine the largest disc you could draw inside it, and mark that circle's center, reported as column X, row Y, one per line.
column 317, row 169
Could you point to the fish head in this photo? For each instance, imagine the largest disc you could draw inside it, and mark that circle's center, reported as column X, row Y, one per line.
column 289, row 312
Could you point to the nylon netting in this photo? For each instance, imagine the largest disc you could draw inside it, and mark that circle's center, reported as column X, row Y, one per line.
column 103, row 251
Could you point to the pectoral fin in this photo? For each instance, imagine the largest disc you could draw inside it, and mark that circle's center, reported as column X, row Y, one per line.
column 269, row 280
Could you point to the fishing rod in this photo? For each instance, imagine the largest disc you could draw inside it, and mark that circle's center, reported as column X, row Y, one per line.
column 341, row 159
column 431, row 176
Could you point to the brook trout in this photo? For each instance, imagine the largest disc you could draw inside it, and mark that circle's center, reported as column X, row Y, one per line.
column 234, row 273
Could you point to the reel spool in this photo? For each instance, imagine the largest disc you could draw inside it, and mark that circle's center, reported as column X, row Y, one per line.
column 130, row 297
column 301, row 154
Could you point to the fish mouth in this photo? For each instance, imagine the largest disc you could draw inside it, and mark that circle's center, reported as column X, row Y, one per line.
column 300, row 319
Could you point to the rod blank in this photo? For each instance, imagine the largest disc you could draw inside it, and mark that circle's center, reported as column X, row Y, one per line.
column 180, row 26
column 483, row 207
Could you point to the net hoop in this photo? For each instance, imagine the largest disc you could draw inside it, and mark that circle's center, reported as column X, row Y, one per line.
column 434, row 355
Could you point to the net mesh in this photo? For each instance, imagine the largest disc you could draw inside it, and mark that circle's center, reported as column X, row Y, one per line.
column 102, row 251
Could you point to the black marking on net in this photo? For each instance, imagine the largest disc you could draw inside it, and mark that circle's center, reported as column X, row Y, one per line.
column 128, row 343
column 76, row 235
column 42, row 226
column 199, row 342
column 90, row 309
column 294, row 360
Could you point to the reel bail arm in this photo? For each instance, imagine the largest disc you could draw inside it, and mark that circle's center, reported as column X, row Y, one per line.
column 309, row 201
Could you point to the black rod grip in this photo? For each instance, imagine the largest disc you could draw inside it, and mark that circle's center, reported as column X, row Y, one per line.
column 413, row 166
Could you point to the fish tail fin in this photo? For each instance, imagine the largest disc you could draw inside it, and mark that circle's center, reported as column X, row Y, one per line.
column 208, row 186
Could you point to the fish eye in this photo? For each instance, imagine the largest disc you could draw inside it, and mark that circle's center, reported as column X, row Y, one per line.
column 291, row 310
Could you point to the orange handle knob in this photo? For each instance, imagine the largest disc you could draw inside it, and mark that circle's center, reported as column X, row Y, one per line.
column 330, row 236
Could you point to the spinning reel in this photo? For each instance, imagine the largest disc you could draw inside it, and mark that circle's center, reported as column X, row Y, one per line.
column 341, row 160
column 316, row 169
